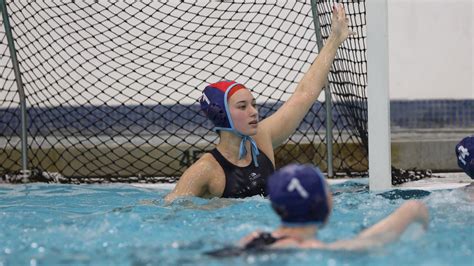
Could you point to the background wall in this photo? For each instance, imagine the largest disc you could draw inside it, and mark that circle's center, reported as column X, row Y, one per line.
column 431, row 59
column 430, row 49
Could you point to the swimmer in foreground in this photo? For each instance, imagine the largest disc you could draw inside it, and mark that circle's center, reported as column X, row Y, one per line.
column 301, row 197
column 244, row 157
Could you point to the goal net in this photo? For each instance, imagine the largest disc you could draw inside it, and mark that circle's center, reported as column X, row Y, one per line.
column 111, row 87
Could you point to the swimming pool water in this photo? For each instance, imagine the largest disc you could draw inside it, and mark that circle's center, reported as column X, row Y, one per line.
column 118, row 224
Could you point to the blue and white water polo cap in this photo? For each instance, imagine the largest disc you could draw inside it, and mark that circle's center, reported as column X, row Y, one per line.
column 465, row 155
column 214, row 102
column 299, row 194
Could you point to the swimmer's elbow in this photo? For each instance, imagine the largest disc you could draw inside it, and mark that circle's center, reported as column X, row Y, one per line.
column 173, row 195
column 170, row 197
column 420, row 212
column 423, row 214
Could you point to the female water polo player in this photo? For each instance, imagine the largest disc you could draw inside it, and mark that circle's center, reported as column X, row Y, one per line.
column 300, row 196
column 244, row 158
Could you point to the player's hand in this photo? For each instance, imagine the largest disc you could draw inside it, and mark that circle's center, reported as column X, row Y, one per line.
column 340, row 24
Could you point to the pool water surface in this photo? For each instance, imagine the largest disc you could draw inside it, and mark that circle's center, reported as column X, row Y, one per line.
column 121, row 224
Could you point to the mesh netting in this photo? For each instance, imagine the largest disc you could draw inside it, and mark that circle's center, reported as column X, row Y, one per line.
column 348, row 84
column 112, row 87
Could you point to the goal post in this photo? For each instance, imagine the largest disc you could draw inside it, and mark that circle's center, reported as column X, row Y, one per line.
column 380, row 177
column 19, row 83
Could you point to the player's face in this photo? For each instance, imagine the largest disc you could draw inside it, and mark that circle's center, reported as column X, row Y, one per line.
column 244, row 113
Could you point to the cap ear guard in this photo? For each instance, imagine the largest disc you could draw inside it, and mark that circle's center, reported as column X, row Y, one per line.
column 217, row 115
column 280, row 210
column 319, row 210
column 214, row 103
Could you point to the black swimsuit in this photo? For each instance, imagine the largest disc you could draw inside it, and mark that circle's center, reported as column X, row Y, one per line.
column 262, row 241
column 258, row 244
column 241, row 182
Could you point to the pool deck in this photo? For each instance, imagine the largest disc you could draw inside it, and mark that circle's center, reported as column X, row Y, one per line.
column 444, row 181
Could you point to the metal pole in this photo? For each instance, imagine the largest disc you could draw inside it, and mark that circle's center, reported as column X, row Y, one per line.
column 327, row 92
column 380, row 172
column 21, row 92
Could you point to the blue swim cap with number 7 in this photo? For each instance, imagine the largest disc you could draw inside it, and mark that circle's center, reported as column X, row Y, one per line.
column 299, row 194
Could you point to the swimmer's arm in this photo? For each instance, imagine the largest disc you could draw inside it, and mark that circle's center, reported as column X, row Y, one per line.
column 388, row 229
column 193, row 182
column 307, row 92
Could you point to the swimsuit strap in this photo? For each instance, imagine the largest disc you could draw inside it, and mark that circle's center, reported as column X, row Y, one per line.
column 262, row 240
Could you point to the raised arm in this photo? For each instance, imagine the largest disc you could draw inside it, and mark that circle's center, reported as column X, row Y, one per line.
column 284, row 122
column 388, row 229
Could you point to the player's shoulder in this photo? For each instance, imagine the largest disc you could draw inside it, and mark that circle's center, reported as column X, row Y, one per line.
column 207, row 172
column 205, row 166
